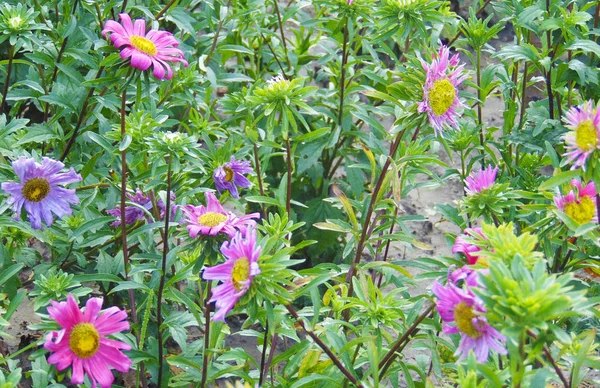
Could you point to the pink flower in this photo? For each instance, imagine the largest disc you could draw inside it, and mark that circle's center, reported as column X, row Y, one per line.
column 212, row 219
column 154, row 48
column 440, row 94
column 236, row 273
column 480, row 180
column 580, row 206
column 463, row 244
column 463, row 313
column 583, row 139
column 82, row 341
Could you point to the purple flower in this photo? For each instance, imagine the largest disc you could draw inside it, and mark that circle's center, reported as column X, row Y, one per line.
column 212, row 219
column 139, row 211
column 464, row 246
column 481, row 180
column 229, row 176
column 463, row 313
column 39, row 190
column 236, row 273
column 583, row 139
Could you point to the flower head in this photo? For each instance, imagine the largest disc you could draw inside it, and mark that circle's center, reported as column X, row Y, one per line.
column 463, row 244
column 212, row 219
column 580, row 206
column 236, row 273
column 440, row 94
column 154, row 48
column 141, row 209
column 229, row 176
column 82, row 340
column 480, row 180
column 584, row 137
column 39, row 190
column 463, row 313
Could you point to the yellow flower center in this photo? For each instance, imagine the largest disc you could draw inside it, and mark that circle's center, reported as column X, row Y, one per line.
column 441, row 96
column 36, row 189
column 211, row 219
column 463, row 316
column 144, row 45
column 581, row 212
column 228, row 174
column 585, row 136
column 85, row 340
column 240, row 272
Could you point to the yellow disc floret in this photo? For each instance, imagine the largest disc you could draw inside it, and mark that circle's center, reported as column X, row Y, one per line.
column 84, row 340
column 240, row 272
column 36, row 189
column 586, row 137
column 228, row 174
column 581, row 212
column 211, row 219
column 441, row 96
column 463, row 316
column 144, row 45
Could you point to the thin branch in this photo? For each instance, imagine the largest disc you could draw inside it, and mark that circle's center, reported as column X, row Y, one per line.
column 285, row 49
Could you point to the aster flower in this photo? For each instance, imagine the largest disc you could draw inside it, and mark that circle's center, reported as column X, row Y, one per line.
column 229, row 176
column 440, row 94
column 579, row 205
column 463, row 245
column 154, row 48
column 82, row 340
column 212, row 219
column 236, row 273
column 463, row 313
column 583, row 139
column 39, row 191
column 480, row 180
column 139, row 211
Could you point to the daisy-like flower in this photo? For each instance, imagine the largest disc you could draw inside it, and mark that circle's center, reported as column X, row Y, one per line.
column 236, row 273
column 462, row 313
column 139, row 211
column 154, row 48
column 580, row 206
column 229, row 176
column 584, row 137
column 480, row 180
column 82, row 340
column 212, row 219
column 463, row 244
column 39, row 191
column 440, row 92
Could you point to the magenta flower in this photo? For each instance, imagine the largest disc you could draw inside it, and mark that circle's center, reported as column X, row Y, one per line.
column 463, row 313
column 236, row 273
column 580, row 206
column 463, row 244
column 39, row 191
column 82, row 341
column 139, row 211
column 229, row 176
column 212, row 219
column 480, row 180
column 154, row 48
column 583, row 139
column 440, row 94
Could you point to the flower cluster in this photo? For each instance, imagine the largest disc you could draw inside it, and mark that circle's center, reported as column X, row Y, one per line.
column 584, row 135
column 140, row 209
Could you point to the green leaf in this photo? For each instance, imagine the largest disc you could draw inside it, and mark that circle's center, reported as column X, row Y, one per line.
column 10, row 272
column 97, row 277
column 559, row 179
column 96, row 223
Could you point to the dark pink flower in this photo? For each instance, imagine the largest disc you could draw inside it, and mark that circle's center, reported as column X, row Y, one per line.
column 481, row 180
column 464, row 245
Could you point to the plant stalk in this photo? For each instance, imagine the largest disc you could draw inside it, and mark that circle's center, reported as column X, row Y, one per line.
column 11, row 52
column 285, row 49
column 206, row 334
column 288, row 200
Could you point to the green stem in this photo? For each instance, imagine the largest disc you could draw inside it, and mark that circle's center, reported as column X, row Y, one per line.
column 288, row 201
column 92, row 186
column 11, row 52
column 285, row 49
column 259, row 177
column 343, row 71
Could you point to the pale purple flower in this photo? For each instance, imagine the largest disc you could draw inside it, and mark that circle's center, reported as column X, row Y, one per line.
column 229, row 176
column 141, row 210
column 464, row 245
column 154, row 48
column 480, row 180
column 463, row 313
column 440, row 92
column 236, row 273
column 212, row 219
column 82, row 341
column 579, row 205
column 39, row 191
column 583, row 139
